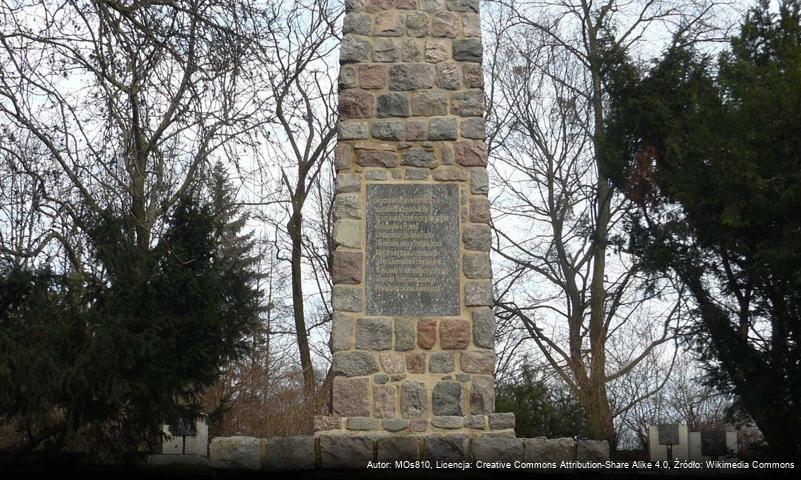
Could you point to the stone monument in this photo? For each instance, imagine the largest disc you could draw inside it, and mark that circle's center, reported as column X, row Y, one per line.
column 412, row 331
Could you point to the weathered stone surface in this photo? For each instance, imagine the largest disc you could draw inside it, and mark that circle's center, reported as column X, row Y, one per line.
column 413, row 399
column 444, row 24
column 389, row 129
column 342, row 158
column 377, row 6
column 479, row 209
column 448, row 76
column 447, row 398
column 355, row 5
column 473, row 128
column 380, row 378
column 411, row 50
column 353, row 364
column 404, row 334
column 484, row 328
column 414, row 209
column 350, row 397
column 430, row 5
column 489, row 449
column 395, row 448
column 416, row 130
column 364, row 424
column 478, row 362
column 416, row 362
column 592, row 450
column 347, row 205
column 372, row 76
column 352, row 130
column 426, row 334
column 376, row 175
column 476, row 422
column 501, row 421
column 463, row 5
column 479, row 181
column 416, row 174
column 482, row 395
column 386, row 50
column 417, row 24
column 393, row 362
column 470, row 153
column 467, row 50
column 340, row 451
column 417, row 157
column 478, row 293
column 554, row 450
column 393, row 104
column 471, row 25
column 430, row 103
column 377, row 158
column 341, row 332
column 468, row 104
column 354, row 49
column 326, row 422
column 289, row 453
column 454, row 334
column 477, row 236
column 438, row 51
column 449, row 422
column 446, row 448
column 348, row 182
column 358, row 23
column 406, row 4
column 384, row 401
column 476, row 265
column 347, row 77
column 389, row 24
column 395, row 424
column 411, row 76
column 236, row 453
column 346, row 299
column 374, row 334
column 442, row 128
column 472, row 75
column 449, row 174
column 348, row 233
column 347, row 267
column 441, row 362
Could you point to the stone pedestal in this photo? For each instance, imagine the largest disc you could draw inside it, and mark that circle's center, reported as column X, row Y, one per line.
column 413, row 332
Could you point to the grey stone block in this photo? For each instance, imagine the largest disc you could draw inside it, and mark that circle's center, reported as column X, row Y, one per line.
column 501, row 421
column 484, row 328
column 341, row 451
column 405, row 334
column 354, row 49
column 477, row 236
column 442, row 128
column 362, row 423
column 397, row 448
column 236, row 453
column 395, row 424
column 374, row 333
column 389, row 130
column 463, row 5
column 352, row 130
column 411, row 76
column 450, row 422
column 478, row 293
column 446, row 448
column 592, row 450
column 347, row 205
column 393, row 104
column 554, row 450
column 354, row 364
column 358, row 23
column 346, row 299
column 475, row 421
column 482, row 395
column 289, row 453
column 417, row 157
column 489, row 449
column 479, row 181
column 441, row 362
column 447, row 398
column 413, row 399
column 467, row 50
column 341, row 332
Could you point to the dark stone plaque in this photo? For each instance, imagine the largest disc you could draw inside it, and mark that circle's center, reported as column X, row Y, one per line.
column 668, row 434
column 412, row 259
column 713, row 443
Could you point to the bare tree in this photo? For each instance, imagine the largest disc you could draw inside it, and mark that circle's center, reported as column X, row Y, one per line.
column 566, row 274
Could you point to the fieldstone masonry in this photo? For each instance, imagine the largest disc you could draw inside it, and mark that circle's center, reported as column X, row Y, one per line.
column 413, row 332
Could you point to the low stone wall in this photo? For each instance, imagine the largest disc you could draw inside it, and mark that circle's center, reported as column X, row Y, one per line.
column 340, row 451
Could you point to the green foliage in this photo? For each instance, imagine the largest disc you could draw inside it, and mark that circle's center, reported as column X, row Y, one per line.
column 109, row 358
column 714, row 159
column 540, row 410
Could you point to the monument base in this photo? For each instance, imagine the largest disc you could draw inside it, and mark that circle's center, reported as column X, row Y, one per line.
column 357, row 450
column 497, row 424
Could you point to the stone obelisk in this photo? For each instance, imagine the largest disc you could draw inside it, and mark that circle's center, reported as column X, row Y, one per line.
column 413, row 330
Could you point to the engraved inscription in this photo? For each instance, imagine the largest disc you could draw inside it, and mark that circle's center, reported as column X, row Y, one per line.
column 412, row 249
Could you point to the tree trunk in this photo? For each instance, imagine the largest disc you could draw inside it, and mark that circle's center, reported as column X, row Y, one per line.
column 294, row 227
